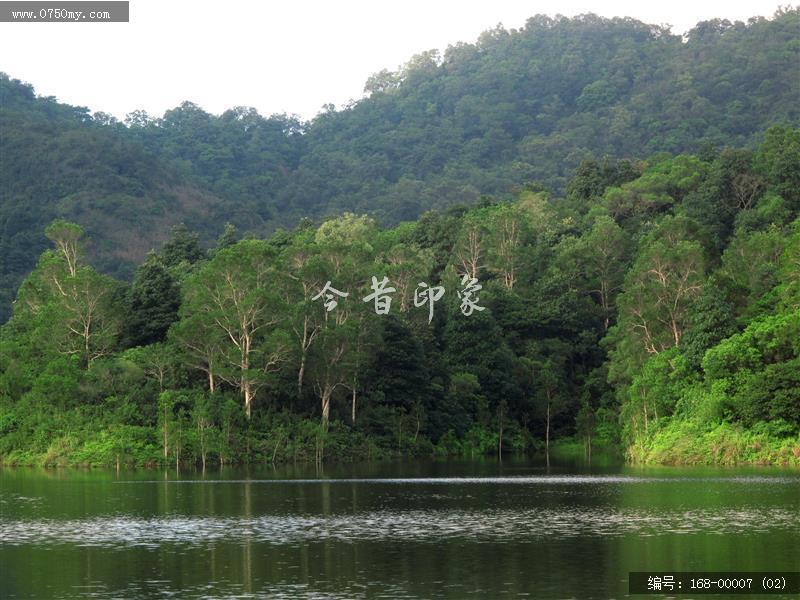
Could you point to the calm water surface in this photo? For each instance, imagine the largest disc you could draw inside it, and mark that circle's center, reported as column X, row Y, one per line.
column 475, row 529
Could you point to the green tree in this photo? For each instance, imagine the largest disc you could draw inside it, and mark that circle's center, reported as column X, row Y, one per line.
column 778, row 160
column 183, row 246
column 153, row 301
column 229, row 237
column 508, row 233
column 711, row 320
column 664, row 281
column 66, row 237
column 238, row 291
column 600, row 258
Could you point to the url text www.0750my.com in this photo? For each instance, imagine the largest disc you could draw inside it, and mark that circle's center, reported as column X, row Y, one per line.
column 64, row 12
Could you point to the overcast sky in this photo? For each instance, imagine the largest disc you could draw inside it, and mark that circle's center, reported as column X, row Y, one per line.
column 288, row 56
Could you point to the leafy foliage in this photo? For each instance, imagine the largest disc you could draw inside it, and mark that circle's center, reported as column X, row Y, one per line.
column 658, row 299
column 484, row 118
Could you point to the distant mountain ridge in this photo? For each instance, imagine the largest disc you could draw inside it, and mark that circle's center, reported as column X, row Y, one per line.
column 481, row 119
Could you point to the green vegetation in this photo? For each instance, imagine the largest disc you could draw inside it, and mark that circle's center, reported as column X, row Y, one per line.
column 655, row 307
column 651, row 304
column 481, row 119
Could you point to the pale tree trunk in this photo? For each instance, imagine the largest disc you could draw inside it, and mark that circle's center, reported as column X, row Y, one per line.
column 500, row 443
column 500, row 437
column 304, row 343
column 248, row 396
column 645, row 416
column 70, row 251
column 202, row 425
column 605, row 302
column 547, row 431
column 510, row 279
column 474, row 253
column 86, row 329
column 510, row 244
column 326, row 412
column 676, row 332
column 247, row 388
column 306, row 339
column 469, row 253
column 166, row 433
column 326, row 407
column 300, row 373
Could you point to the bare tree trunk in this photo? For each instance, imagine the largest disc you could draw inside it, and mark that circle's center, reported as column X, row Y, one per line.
column 500, row 443
column 547, row 434
column 300, row 373
column 326, row 412
column 166, row 434
column 326, row 408
column 305, row 344
column 86, row 344
column 645, row 415
column 248, row 396
column 676, row 332
column 353, row 416
column 275, row 451
column 201, row 434
column 246, row 385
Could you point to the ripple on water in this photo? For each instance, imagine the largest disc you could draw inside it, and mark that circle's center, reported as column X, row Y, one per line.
column 513, row 480
column 413, row 525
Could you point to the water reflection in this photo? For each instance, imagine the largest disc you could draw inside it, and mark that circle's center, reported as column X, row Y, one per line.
column 539, row 480
column 412, row 526
column 410, row 531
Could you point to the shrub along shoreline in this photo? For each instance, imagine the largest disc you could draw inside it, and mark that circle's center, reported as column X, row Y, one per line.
column 679, row 443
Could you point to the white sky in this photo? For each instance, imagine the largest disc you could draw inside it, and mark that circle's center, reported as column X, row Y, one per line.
column 290, row 56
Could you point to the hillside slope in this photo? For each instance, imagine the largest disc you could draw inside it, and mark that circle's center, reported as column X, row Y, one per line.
column 56, row 161
column 514, row 107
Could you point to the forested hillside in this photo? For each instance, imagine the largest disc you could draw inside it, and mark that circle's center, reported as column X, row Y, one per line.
column 59, row 161
column 654, row 307
column 486, row 118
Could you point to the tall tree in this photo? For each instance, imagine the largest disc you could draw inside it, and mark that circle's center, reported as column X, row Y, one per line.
column 238, row 291
column 153, row 299
column 509, row 229
column 182, row 246
column 662, row 284
column 600, row 257
column 67, row 239
column 76, row 308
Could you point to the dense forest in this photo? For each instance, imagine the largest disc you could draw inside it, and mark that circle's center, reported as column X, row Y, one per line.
column 654, row 306
column 480, row 119
column 586, row 230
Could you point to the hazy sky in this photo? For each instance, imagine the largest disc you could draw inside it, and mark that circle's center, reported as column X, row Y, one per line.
column 279, row 56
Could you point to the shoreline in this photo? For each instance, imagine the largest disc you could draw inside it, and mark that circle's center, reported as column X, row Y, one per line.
column 679, row 444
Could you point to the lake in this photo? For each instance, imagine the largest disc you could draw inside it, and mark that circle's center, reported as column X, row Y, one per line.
column 415, row 529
